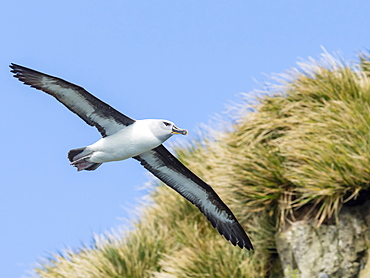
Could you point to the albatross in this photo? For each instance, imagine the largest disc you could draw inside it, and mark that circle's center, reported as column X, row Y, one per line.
column 124, row 137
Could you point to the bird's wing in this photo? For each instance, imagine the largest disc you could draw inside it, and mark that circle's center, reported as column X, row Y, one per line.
column 91, row 109
column 172, row 172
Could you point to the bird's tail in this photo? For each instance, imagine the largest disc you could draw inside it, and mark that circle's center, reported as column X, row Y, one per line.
column 78, row 158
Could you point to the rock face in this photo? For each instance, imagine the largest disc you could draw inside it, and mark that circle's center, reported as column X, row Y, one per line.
column 340, row 249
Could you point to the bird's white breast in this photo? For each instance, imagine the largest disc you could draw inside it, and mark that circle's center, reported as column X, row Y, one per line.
column 132, row 140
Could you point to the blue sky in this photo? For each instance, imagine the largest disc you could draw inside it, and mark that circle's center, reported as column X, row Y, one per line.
column 178, row 60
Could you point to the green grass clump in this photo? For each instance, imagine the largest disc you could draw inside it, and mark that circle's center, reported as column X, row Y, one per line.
column 302, row 151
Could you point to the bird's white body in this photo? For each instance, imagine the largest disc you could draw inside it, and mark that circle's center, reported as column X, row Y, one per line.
column 130, row 141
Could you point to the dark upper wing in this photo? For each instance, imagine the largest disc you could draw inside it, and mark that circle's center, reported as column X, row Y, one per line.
column 91, row 109
column 172, row 172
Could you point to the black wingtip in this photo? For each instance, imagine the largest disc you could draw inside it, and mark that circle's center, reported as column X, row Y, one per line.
column 239, row 237
column 234, row 233
column 13, row 66
column 245, row 243
column 16, row 69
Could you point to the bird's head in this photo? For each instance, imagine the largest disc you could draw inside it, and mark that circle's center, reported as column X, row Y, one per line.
column 164, row 129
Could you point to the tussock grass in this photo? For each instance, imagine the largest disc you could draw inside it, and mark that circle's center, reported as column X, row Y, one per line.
column 308, row 142
column 302, row 151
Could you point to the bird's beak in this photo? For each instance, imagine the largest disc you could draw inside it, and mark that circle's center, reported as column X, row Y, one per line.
column 176, row 130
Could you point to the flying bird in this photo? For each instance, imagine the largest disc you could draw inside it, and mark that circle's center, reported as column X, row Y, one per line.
column 124, row 137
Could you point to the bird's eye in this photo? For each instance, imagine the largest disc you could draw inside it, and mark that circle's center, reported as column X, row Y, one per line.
column 166, row 123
